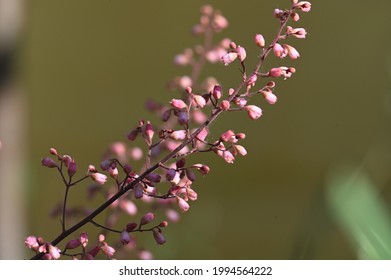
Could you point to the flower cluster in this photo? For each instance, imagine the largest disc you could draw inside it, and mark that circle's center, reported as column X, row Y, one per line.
column 165, row 180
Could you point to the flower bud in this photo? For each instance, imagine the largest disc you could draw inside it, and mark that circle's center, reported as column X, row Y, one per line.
column 53, row 151
column 270, row 97
column 163, row 224
column 199, row 100
column 130, row 227
column 138, row 191
column 107, row 250
column 241, row 53
column 225, row 105
column 149, row 132
column 178, row 134
column 180, row 163
column 228, row 136
column 216, row 92
column 252, row 80
column 183, row 205
column 253, row 111
column 153, row 177
column 48, row 162
column 125, row 237
column 183, row 118
column 132, row 135
column 99, row 178
column 228, row 58
column 292, row 52
column 83, row 239
column 240, row 149
column 158, row 236
column 54, row 252
column 304, row 6
column 178, row 104
column 241, row 102
column 106, row 164
column 31, row 242
column 72, row 244
column 170, row 174
column 66, row 160
column 72, row 168
column 279, row 51
column 275, row 72
column 203, row 169
column 259, row 40
column 190, row 175
column 147, row 218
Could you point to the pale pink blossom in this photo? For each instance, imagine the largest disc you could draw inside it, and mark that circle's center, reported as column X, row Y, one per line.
column 304, row 6
column 259, row 40
column 279, row 51
column 296, row 32
column 292, row 52
column 225, row 105
column 270, row 97
column 54, row 252
column 199, row 100
column 228, row 58
column 183, row 205
column 253, row 111
column 31, row 242
column 178, row 134
column 241, row 53
column 178, row 104
column 99, row 178
column 107, row 250
column 240, row 149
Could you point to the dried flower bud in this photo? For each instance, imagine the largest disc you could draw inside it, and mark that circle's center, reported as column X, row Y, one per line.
column 158, row 236
column 72, row 168
column 259, row 40
column 180, row 163
column 253, row 111
column 132, row 135
column 48, row 162
column 147, row 218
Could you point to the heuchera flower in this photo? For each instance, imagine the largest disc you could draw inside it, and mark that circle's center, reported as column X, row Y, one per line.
column 99, row 178
column 228, row 58
column 253, row 111
column 259, row 40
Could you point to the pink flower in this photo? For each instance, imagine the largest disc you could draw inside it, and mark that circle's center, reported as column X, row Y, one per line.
column 240, row 149
column 199, row 100
column 183, row 205
column 72, row 168
column 149, row 132
column 72, row 244
column 229, row 58
column 241, row 53
column 253, row 111
column 296, row 32
column 147, row 218
column 259, row 40
column 54, row 252
column 31, row 242
column 99, row 178
column 279, row 51
column 225, row 105
column 252, row 80
column 107, row 250
column 228, row 136
column 178, row 134
column 125, row 237
column 292, row 52
column 269, row 97
column 178, row 104
column 83, row 239
column 304, row 6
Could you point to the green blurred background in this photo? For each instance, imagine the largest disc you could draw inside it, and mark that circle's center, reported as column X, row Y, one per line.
column 88, row 66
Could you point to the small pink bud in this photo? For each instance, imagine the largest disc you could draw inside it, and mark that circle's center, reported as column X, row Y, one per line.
column 220, row 22
column 231, row 91
column 279, row 51
column 128, row 207
column 130, row 227
column 252, row 80
column 241, row 150
column 158, row 236
column 241, row 102
column 228, row 136
column 163, row 224
column 228, row 156
column 153, row 177
column 293, row 53
column 66, row 160
column 295, row 16
column 275, row 72
column 72, row 244
column 147, row 218
column 178, row 134
column 181, row 60
column 225, row 105
column 241, row 53
column 259, row 40
column 228, row 58
column 183, row 205
column 178, row 104
column 232, row 45
column 270, row 97
column 304, row 6
column 132, row 135
column 101, row 238
column 253, row 111
column 203, row 169
column 31, row 242
column 54, row 252
column 48, row 162
column 72, row 168
column 83, row 239
column 125, row 237
column 278, row 13
column 240, row 135
column 53, row 151
column 92, row 169
column 107, row 250
column 216, row 92
column 99, row 178
column 149, row 132
column 199, row 100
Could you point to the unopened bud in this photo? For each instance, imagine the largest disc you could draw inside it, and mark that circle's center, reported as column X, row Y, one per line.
column 147, row 218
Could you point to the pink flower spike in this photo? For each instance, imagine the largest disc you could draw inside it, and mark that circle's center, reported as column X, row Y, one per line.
column 259, row 40
column 229, row 58
column 241, row 53
column 183, row 205
column 99, row 178
column 293, row 53
column 48, row 162
column 178, row 104
column 253, row 111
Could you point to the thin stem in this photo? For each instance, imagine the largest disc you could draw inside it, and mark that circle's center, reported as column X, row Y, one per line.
column 64, row 208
